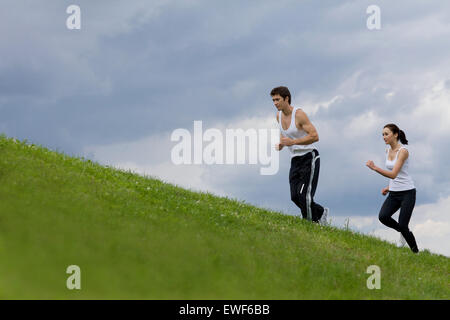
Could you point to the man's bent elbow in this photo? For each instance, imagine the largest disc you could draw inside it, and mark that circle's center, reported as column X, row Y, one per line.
column 315, row 137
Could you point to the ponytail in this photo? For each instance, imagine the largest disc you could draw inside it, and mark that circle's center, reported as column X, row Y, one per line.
column 402, row 137
column 395, row 130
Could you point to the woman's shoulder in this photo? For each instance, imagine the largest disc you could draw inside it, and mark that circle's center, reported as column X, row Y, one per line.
column 404, row 149
column 403, row 152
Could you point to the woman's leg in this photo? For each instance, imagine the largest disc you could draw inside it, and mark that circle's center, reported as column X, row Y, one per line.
column 390, row 206
column 407, row 207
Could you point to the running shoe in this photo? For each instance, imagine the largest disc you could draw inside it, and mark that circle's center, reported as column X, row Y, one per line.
column 323, row 219
column 402, row 241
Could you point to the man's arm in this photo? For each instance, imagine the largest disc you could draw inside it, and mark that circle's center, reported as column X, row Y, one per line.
column 279, row 146
column 302, row 121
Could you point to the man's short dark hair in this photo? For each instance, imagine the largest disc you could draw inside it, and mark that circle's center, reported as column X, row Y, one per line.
column 282, row 91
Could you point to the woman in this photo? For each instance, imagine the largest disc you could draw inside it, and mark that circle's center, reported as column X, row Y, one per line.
column 402, row 193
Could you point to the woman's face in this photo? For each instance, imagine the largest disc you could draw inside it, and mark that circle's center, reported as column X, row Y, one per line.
column 389, row 136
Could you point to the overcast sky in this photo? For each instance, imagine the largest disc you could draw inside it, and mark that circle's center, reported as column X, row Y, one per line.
column 116, row 89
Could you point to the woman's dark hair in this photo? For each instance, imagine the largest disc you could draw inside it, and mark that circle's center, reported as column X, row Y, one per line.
column 396, row 130
column 282, row 91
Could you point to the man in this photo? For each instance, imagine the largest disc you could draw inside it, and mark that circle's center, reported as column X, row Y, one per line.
column 298, row 134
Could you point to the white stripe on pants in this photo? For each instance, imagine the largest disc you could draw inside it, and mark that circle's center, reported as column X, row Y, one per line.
column 308, row 191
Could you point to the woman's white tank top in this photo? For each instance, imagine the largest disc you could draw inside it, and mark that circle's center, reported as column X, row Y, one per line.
column 294, row 133
column 403, row 181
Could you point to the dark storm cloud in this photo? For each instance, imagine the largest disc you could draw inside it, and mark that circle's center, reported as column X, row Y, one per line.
column 146, row 68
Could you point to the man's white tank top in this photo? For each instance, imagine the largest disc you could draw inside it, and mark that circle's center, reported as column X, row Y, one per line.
column 403, row 181
column 294, row 133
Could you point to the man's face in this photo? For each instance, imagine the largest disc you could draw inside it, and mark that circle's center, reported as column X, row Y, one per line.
column 279, row 102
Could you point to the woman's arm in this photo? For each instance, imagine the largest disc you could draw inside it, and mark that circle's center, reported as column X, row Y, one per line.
column 402, row 156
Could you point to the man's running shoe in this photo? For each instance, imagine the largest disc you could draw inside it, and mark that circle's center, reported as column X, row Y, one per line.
column 323, row 219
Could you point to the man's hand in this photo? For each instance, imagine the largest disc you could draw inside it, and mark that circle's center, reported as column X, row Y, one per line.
column 385, row 191
column 279, row 146
column 286, row 141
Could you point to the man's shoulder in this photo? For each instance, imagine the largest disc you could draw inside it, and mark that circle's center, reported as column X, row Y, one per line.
column 300, row 113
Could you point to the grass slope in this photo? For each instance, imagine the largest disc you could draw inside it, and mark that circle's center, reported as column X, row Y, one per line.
column 139, row 238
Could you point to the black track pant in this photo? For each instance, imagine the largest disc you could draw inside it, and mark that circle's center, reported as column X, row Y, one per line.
column 405, row 201
column 303, row 179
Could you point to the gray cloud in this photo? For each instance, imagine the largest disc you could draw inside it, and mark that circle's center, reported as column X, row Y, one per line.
column 146, row 68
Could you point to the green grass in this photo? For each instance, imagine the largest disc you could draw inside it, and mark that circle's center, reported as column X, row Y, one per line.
column 135, row 237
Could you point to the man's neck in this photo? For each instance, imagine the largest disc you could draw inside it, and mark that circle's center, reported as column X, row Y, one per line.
column 288, row 110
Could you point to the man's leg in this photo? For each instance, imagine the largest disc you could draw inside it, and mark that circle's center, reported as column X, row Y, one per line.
column 315, row 208
column 303, row 179
column 298, row 198
column 298, row 183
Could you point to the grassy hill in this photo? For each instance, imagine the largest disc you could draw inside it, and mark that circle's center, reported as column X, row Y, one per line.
column 136, row 237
